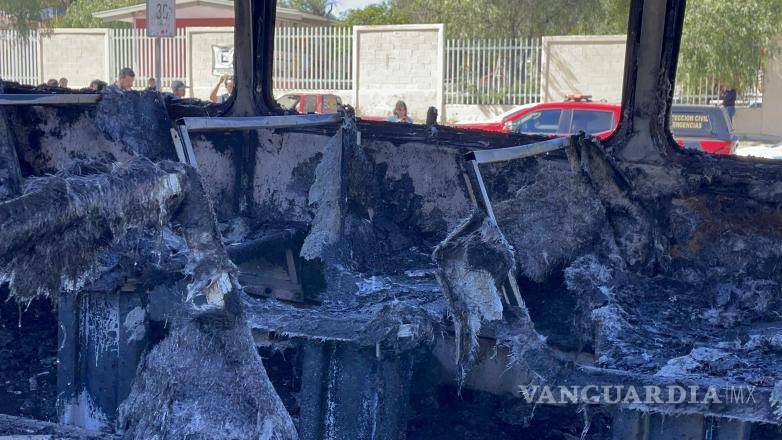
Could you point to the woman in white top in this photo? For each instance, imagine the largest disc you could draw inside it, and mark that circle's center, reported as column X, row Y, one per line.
column 400, row 113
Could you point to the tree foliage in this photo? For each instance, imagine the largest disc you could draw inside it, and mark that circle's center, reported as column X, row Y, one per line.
column 376, row 14
column 323, row 8
column 482, row 19
column 723, row 40
column 79, row 13
column 26, row 15
column 728, row 41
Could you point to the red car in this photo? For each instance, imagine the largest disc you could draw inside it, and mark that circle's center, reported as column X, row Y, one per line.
column 310, row 102
column 705, row 128
column 556, row 119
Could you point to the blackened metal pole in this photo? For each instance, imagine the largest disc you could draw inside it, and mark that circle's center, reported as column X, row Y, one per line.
column 158, row 63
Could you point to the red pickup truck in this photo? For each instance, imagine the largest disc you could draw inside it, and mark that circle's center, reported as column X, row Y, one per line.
column 310, row 102
column 705, row 128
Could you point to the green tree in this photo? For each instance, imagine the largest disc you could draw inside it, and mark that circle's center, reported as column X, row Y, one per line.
column 317, row 7
column 26, row 15
column 31, row 14
column 482, row 19
column 728, row 41
column 79, row 13
column 377, row 14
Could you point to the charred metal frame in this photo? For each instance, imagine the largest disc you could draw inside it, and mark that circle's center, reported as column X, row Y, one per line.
column 476, row 158
column 653, row 40
column 184, row 146
column 56, row 99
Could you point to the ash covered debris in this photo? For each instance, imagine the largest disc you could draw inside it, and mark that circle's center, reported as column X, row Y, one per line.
column 111, row 199
column 18, row 427
column 660, row 282
column 69, row 237
column 473, row 265
column 632, row 271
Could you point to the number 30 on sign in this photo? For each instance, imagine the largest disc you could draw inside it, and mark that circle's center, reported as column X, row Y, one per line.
column 161, row 21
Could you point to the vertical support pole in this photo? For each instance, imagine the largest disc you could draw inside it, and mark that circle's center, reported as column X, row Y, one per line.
column 10, row 172
column 159, row 63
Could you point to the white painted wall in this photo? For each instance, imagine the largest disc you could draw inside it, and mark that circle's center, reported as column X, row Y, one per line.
column 398, row 62
column 81, row 55
column 199, row 60
column 464, row 113
column 588, row 65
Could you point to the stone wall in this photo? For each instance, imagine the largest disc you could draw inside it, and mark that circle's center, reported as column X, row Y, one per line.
column 772, row 95
column 589, row 65
column 398, row 62
column 200, row 41
column 81, row 55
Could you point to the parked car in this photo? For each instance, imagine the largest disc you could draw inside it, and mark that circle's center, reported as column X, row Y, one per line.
column 310, row 102
column 556, row 118
column 703, row 127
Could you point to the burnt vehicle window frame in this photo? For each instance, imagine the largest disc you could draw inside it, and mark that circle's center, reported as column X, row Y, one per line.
column 253, row 59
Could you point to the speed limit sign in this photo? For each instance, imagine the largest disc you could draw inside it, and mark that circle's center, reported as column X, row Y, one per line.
column 161, row 20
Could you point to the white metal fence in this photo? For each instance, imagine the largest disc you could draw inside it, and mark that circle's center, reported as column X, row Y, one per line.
column 313, row 58
column 499, row 71
column 18, row 57
column 133, row 48
column 707, row 92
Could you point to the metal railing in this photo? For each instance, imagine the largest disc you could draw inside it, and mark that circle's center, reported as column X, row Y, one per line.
column 133, row 48
column 477, row 72
column 313, row 58
column 498, row 71
column 707, row 92
column 18, row 57
column 304, row 57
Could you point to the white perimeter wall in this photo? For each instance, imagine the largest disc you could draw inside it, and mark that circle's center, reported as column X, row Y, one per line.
column 81, row 55
column 398, row 62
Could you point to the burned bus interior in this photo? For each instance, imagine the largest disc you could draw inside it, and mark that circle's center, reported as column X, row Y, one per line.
column 184, row 270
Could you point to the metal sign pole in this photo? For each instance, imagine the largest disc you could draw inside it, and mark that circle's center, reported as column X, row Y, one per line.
column 158, row 63
column 161, row 22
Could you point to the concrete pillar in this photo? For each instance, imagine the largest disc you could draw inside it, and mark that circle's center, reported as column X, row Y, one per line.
column 352, row 393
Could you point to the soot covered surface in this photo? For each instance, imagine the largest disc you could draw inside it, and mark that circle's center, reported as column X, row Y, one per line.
column 28, row 358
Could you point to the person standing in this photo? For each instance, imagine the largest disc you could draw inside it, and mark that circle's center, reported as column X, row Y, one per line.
column 63, row 83
column 229, row 87
column 152, row 85
column 97, row 85
column 178, row 88
column 124, row 82
column 729, row 101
